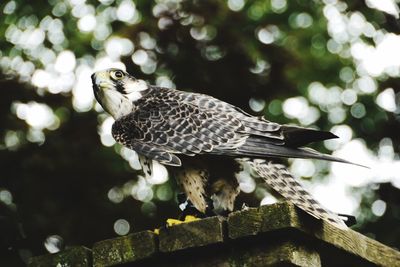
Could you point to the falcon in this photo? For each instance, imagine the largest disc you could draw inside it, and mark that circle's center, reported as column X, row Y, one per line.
column 193, row 135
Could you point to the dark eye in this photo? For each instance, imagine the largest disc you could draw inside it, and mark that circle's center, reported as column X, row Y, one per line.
column 118, row 74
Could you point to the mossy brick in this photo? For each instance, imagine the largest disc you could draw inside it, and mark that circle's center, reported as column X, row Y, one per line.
column 193, row 234
column 124, row 249
column 285, row 215
column 274, row 235
column 70, row 257
column 358, row 245
column 276, row 254
column 253, row 221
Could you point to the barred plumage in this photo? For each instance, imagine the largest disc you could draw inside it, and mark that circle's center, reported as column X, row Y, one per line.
column 279, row 179
column 168, row 125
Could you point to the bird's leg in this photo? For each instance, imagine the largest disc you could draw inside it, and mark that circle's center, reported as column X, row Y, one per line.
column 189, row 210
column 189, row 214
column 194, row 202
column 224, row 192
column 192, row 181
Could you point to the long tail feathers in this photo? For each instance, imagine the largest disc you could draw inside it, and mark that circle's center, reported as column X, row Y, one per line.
column 278, row 178
column 260, row 147
column 299, row 136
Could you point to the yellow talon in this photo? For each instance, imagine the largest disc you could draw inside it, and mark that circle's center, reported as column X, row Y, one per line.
column 188, row 218
column 172, row 222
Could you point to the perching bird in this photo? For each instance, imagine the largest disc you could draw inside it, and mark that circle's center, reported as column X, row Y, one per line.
column 194, row 134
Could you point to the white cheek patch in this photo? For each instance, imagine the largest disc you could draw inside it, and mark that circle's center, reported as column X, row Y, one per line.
column 133, row 89
column 134, row 96
column 135, row 86
column 116, row 104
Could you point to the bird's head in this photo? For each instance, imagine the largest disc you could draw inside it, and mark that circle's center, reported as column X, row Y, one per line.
column 116, row 91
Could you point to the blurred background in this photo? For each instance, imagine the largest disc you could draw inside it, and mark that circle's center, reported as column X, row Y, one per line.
column 332, row 65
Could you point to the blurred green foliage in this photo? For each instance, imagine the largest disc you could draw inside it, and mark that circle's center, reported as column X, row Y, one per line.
column 57, row 179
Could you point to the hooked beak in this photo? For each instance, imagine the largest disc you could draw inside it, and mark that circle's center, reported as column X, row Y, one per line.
column 101, row 80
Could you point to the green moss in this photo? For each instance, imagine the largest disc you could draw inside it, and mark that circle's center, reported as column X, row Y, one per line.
column 74, row 257
column 125, row 249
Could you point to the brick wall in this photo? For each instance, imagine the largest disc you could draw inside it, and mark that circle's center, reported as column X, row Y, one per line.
column 274, row 235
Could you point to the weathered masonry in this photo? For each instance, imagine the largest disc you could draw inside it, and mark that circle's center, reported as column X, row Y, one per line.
column 275, row 235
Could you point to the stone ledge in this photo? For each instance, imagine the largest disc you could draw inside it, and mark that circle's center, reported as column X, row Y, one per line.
column 285, row 216
column 194, row 234
column 274, row 235
column 74, row 256
column 129, row 248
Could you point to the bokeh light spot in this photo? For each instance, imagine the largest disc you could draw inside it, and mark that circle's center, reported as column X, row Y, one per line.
column 378, row 208
column 54, row 243
column 121, row 227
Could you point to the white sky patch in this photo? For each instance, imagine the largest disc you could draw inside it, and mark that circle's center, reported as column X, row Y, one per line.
column 146, row 41
column 65, row 62
column 366, row 85
column 324, row 97
column 257, row 104
column 378, row 207
column 115, row 195
column 35, row 37
column 53, row 243
column 388, row 6
column 344, row 133
column 302, row 168
column 40, row 78
column 132, row 157
column 298, row 108
column 117, row 47
column 122, row 227
column 278, row 6
column 140, row 57
column 386, row 100
column 87, row 23
column 268, row 200
column 159, row 174
column 9, row 8
column 295, row 107
column 236, row 5
column 383, row 167
column 6, row 197
column 247, row 185
column 142, row 190
column 246, row 182
column 106, row 62
column 383, row 58
column 349, row 97
column 268, row 34
column 37, row 115
column 165, row 81
column 82, row 91
column 303, row 20
column 126, row 11
column 105, row 132
column 335, row 196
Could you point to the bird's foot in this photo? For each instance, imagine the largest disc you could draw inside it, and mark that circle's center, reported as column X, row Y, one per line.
column 188, row 218
column 171, row 222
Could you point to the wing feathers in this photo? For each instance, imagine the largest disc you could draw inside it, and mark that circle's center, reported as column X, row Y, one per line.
column 174, row 122
column 257, row 147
